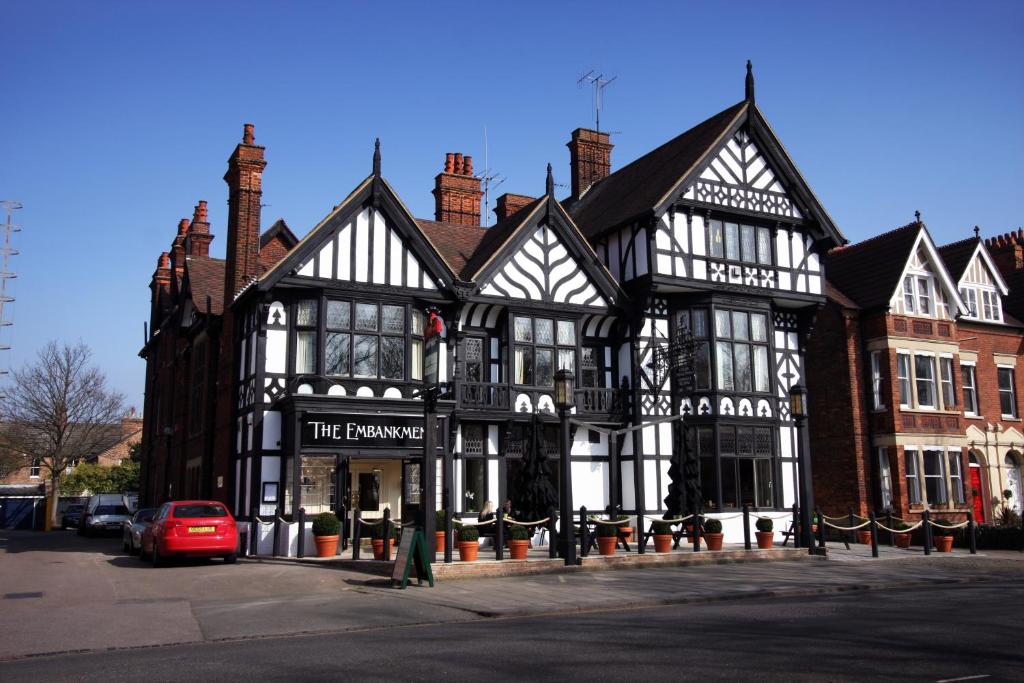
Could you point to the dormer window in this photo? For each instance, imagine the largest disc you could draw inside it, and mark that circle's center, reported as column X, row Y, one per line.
column 917, row 294
column 982, row 303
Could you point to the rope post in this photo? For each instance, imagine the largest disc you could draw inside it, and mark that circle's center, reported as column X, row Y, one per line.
column 797, row 531
column 499, row 536
column 874, row 533
column 641, row 535
column 821, row 532
column 277, row 534
column 552, row 533
column 927, row 532
column 449, row 535
column 386, row 533
column 302, row 532
column 357, row 533
column 584, row 532
column 972, row 530
column 696, row 532
column 746, row 527
column 343, row 517
column 851, row 536
column 254, row 532
column 888, row 524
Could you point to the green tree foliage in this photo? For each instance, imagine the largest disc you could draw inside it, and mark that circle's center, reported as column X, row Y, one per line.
column 91, row 478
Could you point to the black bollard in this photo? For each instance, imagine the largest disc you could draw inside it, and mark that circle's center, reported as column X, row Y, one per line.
column 821, row 532
column 385, row 531
column 553, row 534
column 277, row 534
column 927, row 527
column 852, row 534
column 302, row 532
column 357, row 533
column 343, row 518
column 797, row 531
column 696, row 532
column 584, row 533
column 972, row 536
column 449, row 535
column 254, row 532
column 641, row 534
column 888, row 523
column 874, row 533
column 499, row 535
column 746, row 526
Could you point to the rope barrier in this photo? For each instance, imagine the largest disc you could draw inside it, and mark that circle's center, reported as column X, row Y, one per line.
column 848, row 528
column 490, row 521
column 951, row 527
column 898, row 531
column 616, row 522
column 378, row 522
column 260, row 521
column 670, row 521
column 518, row 523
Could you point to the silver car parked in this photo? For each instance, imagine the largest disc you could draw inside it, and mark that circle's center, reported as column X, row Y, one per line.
column 104, row 513
column 131, row 537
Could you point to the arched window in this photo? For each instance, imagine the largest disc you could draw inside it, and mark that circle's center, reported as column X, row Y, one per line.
column 1013, row 484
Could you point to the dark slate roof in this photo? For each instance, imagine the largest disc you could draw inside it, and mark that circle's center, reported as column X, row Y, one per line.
column 833, row 294
column 279, row 228
column 638, row 187
column 455, row 243
column 495, row 237
column 206, row 278
column 869, row 271
column 1013, row 304
column 957, row 256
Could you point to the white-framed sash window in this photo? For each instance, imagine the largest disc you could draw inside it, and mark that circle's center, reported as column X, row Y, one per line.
column 969, row 383
column 876, row 380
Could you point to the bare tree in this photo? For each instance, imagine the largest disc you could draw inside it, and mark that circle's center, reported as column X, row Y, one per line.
column 57, row 409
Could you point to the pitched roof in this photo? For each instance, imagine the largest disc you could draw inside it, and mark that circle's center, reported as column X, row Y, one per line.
column 1013, row 303
column 456, row 243
column 206, row 278
column 495, row 237
column 279, row 228
column 958, row 256
column 833, row 294
column 869, row 271
column 640, row 185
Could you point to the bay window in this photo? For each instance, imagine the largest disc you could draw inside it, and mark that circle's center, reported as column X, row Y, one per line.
column 696, row 321
column 946, row 381
column 913, row 483
column 876, row 380
column 1007, row 392
column 956, row 480
column 903, row 377
column 361, row 340
column 542, row 346
column 747, row 466
column 969, row 384
column 305, row 337
column 924, row 379
column 934, row 477
column 736, row 242
column 741, row 351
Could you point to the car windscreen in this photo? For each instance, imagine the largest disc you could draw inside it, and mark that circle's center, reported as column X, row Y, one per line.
column 146, row 512
column 111, row 510
column 200, row 510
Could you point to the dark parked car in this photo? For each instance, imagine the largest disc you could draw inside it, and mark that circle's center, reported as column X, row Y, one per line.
column 72, row 516
column 104, row 513
column 131, row 537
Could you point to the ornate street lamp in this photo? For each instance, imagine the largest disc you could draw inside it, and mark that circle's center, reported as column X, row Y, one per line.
column 798, row 409
column 564, row 401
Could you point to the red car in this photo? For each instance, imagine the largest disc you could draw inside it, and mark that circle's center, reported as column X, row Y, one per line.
column 191, row 528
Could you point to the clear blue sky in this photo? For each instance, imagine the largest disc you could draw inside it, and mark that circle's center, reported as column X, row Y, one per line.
column 118, row 116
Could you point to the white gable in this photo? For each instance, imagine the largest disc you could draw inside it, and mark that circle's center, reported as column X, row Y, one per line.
column 368, row 249
column 739, row 178
column 543, row 270
column 925, row 288
column 982, row 287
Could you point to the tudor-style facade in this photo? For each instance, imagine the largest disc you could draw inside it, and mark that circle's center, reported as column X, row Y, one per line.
column 318, row 342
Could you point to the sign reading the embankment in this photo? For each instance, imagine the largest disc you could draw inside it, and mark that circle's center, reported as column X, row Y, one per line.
column 362, row 431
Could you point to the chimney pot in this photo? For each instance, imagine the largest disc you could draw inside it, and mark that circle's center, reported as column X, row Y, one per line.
column 456, row 192
column 467, row 165
column 458, row 163
column 247, row 134
column 449, row 162
column 590, row 155
column 199, row 216
column 182, row 226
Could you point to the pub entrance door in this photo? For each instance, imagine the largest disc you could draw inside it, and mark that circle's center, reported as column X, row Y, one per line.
column 375, row 485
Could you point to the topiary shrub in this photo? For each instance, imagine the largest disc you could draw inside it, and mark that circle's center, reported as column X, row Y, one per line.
column 518, row 533
column 439, row 524
column 939, row 531
column 764, row 524
column 326, row 524
column 469, row 534
column 662, row 528
column 900, row 526
column 712, row 526
column 608, row 530
column 380, row 530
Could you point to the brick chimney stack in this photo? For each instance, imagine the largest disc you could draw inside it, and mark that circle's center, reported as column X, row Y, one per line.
column 590, row 155
column 245, row 191
column 1008, row 251
column 509, row 203
column 199, row 237
column 456, row 192
column 178, row 247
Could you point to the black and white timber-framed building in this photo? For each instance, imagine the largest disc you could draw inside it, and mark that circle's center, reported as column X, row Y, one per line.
column 320, row 342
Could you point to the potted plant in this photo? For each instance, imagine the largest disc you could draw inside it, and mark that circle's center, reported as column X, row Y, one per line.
column 326, row 527
column 814, row 523
column 518, row 541
column 765, row 534
column 864, row 536
column 943, row 537
column 627, row 530
column 469, row 543
column 607, row 537
column 662, row 537
column 902, row 540
column 713, row 534
column 439, row 531
column 382, row 532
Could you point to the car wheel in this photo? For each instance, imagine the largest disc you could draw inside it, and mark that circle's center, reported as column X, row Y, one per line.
column 231, row 559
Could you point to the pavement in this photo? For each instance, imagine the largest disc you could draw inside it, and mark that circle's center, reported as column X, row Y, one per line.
column 63, row 593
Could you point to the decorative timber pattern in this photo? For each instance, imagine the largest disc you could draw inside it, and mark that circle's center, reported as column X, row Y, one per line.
column 542, row 270
column 739, row 178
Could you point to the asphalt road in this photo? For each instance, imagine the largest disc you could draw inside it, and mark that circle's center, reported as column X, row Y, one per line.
column 943, row 634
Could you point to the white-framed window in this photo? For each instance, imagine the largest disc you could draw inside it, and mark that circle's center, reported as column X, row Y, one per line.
column 924, row 381
column 917, row 295
column 969, row 382
column 983, row 303
column 913, row 481
column 946, row 382
column 903, row 377
column 956, row 479
column 934, row 476
column 876, row 379
column 1007, row 392
column 884, row 478
column 34, row 468
column 990, row 308
column 970, row 297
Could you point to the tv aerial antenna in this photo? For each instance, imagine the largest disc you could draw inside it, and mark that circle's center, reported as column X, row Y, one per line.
column 6, row 274
column 600, row 82
column 491, row 179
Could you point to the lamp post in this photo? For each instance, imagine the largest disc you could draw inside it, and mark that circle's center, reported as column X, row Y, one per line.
column 564, row 399
column 798, row 409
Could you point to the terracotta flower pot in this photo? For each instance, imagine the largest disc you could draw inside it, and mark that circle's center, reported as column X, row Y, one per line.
column 606, row 545
column 902, row 540
column 814, row 528
column 629, row 533
column 944, row 544
column 662, row 543
column 468, row 550
column 714, row 541
column 517, row 549
column 765, row 539
column 864, row 537
column 378, row 548
column 326, row 546
column 439, row 540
